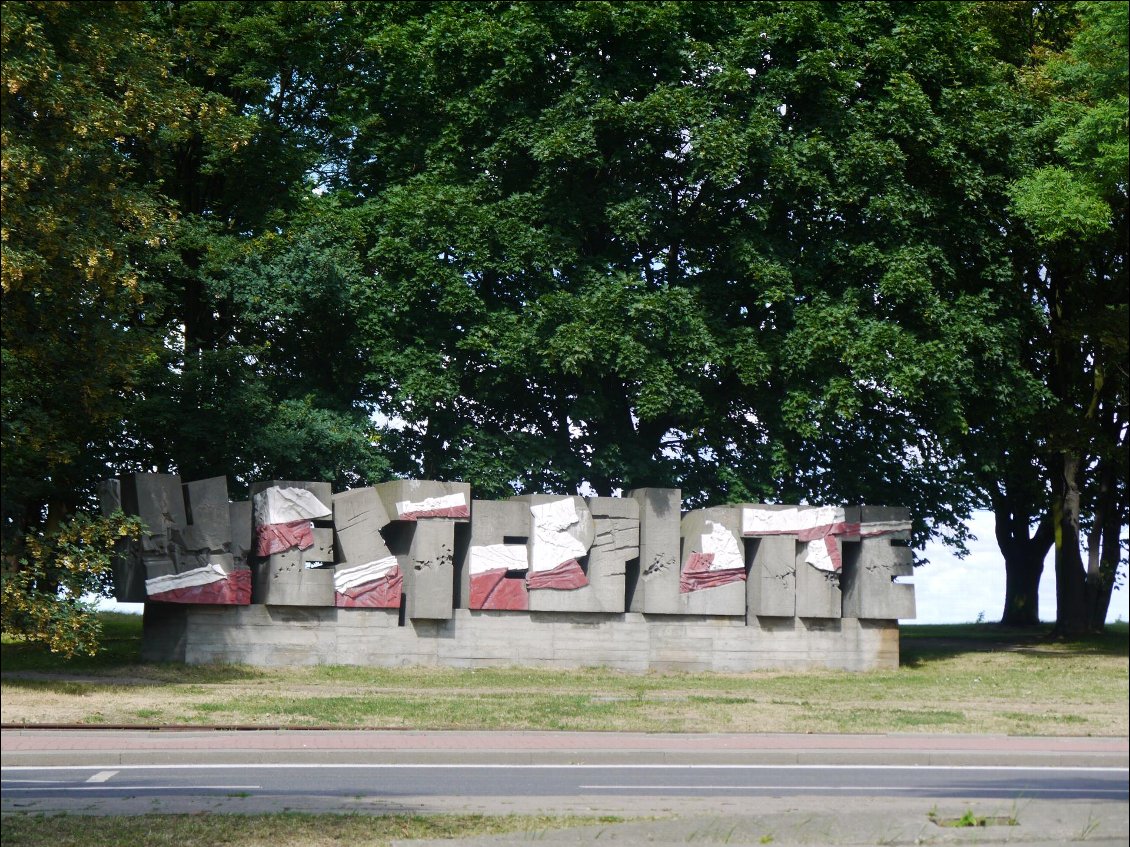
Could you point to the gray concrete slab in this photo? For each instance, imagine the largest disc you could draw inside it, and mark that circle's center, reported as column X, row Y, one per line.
column 653, row 584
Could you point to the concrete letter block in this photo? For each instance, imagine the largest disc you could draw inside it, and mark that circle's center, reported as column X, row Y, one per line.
column 413, row 499
column 561, row 531
column 242, row 532
column 494, row 573
column 429, row 581
column 367, row 574
column 654, row 583
column 817, row 590
column 616, row 525
column 713, row 575
column 293, row 543
column 209, row 516
column 871, row 566
column 772, row 585
column 186, row 548
column 128, row 570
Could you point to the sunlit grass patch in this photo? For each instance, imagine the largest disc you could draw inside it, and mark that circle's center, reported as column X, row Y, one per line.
column 968, row 684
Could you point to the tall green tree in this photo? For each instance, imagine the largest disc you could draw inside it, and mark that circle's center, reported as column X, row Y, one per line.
column 738, row 248
column 1075, row 205
column 260, row 373
column 83, row 85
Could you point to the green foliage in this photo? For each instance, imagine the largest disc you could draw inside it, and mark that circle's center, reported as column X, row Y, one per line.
column 45, row 585
column 1086, row 124
column 81, row 86
column 771, row 251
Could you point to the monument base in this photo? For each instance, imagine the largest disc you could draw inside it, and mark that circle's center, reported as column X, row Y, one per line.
column 273, row 636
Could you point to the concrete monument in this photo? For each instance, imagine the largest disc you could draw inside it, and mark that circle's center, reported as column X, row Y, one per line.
column 417, row 572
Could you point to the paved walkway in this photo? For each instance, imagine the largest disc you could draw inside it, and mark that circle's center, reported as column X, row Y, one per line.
column 654, row 821
column 194, row 745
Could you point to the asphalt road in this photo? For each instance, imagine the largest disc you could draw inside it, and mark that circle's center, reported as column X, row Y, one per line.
column 63, row 787
column 670, row 789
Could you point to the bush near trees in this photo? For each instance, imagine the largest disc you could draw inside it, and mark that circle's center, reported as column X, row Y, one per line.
column 860, row 252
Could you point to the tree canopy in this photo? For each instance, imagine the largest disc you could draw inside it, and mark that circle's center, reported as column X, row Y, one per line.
column 831, row 252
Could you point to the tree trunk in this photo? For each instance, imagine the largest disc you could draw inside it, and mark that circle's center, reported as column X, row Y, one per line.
column 1024, row 555
column 1070, row 578
column 1022, row 571
column 1104, row 547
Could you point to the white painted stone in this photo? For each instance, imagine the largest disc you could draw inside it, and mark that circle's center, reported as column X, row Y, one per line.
column 346, row 578
column 429, row 504
column 725, row 547
column 557, row 534
column 283, row 505
column 817, row 554
column 791, row 520
column 189, row 579
column 489, row 557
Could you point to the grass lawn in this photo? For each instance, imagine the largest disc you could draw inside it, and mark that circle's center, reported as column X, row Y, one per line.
column 976, row 678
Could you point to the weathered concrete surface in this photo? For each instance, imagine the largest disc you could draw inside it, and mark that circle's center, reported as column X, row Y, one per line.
column 771, row 588
column 872, row 565
column 296, row 577
column 242, row 532
column 715, row 532
column 359, row 515
column 429, row 578
column 209, row 518
column 561, row 534
column 185, row 553
column 817, row 591
column 277, row 635
column 413, row 499
column 366, row 573
column 129, row 576
column 653, row 584
column 616, row 539
column 492, row 572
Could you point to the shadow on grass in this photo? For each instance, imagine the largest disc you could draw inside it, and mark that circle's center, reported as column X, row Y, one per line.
column 918, row 645
column 118, row 662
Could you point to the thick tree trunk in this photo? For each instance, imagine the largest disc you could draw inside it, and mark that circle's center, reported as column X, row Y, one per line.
column 1024, row 554
column 1022, row 588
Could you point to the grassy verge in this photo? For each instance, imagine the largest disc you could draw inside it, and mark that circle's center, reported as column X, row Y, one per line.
column 963, row 679
column 277, row 830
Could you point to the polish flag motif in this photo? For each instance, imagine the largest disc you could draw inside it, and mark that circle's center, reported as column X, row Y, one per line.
column 375, row 585
column 444, row 506
column 209, row 585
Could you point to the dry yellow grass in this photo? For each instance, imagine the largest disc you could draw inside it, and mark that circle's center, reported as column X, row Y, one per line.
column 956, row 682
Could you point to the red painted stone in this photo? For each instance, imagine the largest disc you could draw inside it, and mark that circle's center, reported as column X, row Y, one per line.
column 565, row 577
column 699, row 563
column 833, row 549
column 493, row 590
column 702, row 580
column 828, row 530
column 280, row 537
column 235, row 590
column 381, row 593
